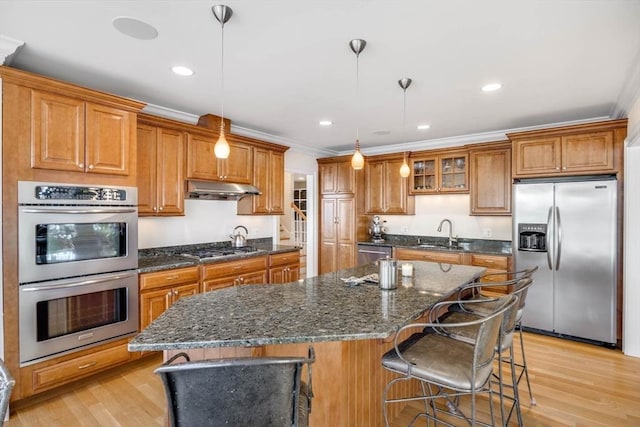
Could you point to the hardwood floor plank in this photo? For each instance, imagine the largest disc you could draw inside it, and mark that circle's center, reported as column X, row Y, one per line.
column 575, row 385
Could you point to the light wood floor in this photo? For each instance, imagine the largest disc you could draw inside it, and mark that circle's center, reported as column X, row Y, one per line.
column 574, row 384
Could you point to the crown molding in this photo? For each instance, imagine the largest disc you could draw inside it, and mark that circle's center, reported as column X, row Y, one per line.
column 169, row 113
column 8, row 48
column 629, row 93
column 456, row 141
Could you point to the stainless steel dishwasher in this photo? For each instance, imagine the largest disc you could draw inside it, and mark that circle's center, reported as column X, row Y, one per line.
column 371, row 253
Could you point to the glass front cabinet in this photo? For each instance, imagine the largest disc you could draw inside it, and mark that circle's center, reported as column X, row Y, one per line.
column 441, row 173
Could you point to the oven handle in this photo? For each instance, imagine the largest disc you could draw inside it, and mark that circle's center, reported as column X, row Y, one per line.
column 76, row 284
column 79, row 211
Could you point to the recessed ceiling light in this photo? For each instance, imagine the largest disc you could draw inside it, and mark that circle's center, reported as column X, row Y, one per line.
column 423, row 127
column 491, row 87
column 135, row 28
column 182, row 70
column 326, row 122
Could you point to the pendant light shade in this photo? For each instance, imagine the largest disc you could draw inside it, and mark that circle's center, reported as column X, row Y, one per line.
column 405, row 171
column 357, row 46
column 222, row 14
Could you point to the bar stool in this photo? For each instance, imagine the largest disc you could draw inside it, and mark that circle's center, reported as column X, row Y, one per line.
column 462, row 312
column 453, row 367
column 238, row 392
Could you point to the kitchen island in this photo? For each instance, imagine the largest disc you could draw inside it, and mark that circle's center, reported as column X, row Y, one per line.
column 350, row 327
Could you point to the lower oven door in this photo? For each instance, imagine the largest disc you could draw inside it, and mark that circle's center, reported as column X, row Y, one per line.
column 62, row 316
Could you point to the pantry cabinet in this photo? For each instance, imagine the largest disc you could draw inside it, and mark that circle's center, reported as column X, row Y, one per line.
column 571, row 150
column 385, row 190
column 439, row 172
column 160, row 290
column 161, row 153
column 337, row 177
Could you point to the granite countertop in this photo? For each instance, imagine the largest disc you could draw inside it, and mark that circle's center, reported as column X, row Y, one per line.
column 166, row 258
column 431, row 243
column 321, row 308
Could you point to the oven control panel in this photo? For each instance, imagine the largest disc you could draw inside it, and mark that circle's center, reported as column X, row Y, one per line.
column 44, row 192
column 36, row 193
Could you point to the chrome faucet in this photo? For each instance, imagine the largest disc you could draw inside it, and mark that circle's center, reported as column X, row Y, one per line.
column 451, row 239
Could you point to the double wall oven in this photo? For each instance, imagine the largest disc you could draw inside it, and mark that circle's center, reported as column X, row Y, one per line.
column 77, row 269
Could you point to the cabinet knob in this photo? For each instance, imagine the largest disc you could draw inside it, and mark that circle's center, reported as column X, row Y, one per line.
column 564, row 168
column 175, row 292
column 155, row 208
column 81, row 165
column 160, row 208
column 91, row 166
column 557, row 169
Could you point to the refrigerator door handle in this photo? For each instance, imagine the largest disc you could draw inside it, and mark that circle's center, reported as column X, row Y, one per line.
column 548, row 238
column 559, row 233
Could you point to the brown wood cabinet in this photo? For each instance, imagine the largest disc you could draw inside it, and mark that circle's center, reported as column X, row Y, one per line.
column 246, row 271
column 432, row 256
column 490, row 183
column 342, row 221
column 571, row 150
column 203, row 164
column 160, row 178
column 70, row 134
column 160, row 290
column 439, row 172
column 284, row 267
column 268, row 176
column 337, row 177
column 385, row 190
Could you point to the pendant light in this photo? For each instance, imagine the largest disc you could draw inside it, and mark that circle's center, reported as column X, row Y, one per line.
column 357, row 46
column 405, row 171
column 222, row 13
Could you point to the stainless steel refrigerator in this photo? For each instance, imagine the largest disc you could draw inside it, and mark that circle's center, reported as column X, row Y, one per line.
column 568, row 229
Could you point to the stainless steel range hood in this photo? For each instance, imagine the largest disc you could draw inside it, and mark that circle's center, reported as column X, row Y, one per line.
column 214, row 190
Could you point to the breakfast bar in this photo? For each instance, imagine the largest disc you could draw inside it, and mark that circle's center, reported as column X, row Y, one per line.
column 349, row 324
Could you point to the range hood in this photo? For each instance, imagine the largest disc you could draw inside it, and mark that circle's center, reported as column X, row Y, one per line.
column 215, row 190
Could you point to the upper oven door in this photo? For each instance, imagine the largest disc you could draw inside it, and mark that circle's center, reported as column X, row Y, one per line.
column 68, row 241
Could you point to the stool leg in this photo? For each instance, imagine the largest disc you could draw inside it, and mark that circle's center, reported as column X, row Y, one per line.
column 524, row 365
column 516, row 395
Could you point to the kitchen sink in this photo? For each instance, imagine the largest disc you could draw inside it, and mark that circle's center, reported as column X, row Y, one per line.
column 444, row 247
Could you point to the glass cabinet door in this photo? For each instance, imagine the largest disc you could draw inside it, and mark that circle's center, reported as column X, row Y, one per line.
column 453, row 173
column 424, row 175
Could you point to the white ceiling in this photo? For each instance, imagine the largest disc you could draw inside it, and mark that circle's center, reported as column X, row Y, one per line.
column 288, row 64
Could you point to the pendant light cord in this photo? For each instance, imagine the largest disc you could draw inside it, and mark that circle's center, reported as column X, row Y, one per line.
column 222, row 78
column 358, row 101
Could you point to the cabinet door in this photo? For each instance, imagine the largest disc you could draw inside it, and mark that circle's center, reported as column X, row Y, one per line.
column 184, row 291
column 261, row 159
column 375, row 179
column 201, row 161
column 57, row 123
column 238, row 167
column 328, row 235
column 146, row 170
column 587, row 152
column 277, row 275
column 153, row 303
column 276, row 188
column 170, row 172
column 328, row 177
column 453, row 173
column 107, row 139
column 346, row 232
column 424, row 175
column 337, row 178
column 491, row 182
column 293, row 273
column 540, row 156
column 254, row 278
column 395, row 189
column 219, row 283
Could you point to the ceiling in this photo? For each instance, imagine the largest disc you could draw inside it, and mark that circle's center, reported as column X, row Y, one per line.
column 287, row 63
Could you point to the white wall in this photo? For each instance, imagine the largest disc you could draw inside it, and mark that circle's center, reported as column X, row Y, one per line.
column 204, row 221
column 432, row 209
column 631, row 313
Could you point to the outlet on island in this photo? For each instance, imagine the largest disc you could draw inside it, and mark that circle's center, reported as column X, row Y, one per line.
column 486, row 232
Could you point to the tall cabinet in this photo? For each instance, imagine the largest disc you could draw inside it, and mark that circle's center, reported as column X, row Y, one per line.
column 341, row 206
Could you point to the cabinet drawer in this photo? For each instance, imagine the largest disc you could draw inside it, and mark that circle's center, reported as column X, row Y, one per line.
column 490, row 261
column 234, row 268
column 284, row 259
column 432, row 256
column 79, row 367
column 168, row 278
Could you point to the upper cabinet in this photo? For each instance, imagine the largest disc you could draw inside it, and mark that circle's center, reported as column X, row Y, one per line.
column 203, row 164
column 439, row 172
column 571, row 150
column 268, row 176
column 385, row 190
column 337, row 177
column 490, row 182
column 66, row 133
column 73, row 135
column 161, row 158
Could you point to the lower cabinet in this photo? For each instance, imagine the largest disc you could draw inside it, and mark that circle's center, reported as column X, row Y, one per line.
column 241, row 272
column 432, row 256
column 160, row 290
column 284, row 268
